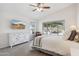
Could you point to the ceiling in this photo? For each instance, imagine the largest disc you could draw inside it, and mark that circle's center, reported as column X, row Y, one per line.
column 23, row 9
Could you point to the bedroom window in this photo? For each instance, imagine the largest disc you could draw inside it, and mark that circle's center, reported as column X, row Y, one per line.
column 54, row 27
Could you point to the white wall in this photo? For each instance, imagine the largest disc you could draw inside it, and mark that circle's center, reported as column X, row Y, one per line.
column 78, row 16
column 68, row 14
column 12, row 11
column 5, row 22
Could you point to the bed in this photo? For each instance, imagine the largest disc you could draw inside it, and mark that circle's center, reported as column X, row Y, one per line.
column 53, row 43
column 56, row 45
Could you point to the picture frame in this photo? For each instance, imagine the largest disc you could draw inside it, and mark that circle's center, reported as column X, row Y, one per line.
column 17, row 24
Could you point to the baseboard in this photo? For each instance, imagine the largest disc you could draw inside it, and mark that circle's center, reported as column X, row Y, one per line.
column 20, row 43
column 14, row 45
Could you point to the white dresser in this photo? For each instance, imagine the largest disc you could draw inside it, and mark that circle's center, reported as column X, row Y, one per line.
column 4, row 42
column 18, row 37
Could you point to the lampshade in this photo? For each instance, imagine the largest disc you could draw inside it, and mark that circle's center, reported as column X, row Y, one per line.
column 73, row 27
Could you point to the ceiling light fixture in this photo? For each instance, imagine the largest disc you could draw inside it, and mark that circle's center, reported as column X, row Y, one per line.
column 40, row 7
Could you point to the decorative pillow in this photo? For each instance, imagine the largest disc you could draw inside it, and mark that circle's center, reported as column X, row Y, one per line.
column 72, row 35
column 66, row 35
column 76, row 38
column 37, row 34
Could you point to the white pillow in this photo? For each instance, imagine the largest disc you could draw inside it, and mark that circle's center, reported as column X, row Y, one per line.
column 66, row 35
column 76, row 38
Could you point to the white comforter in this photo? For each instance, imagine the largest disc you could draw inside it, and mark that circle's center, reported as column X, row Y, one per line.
column 55, row 44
